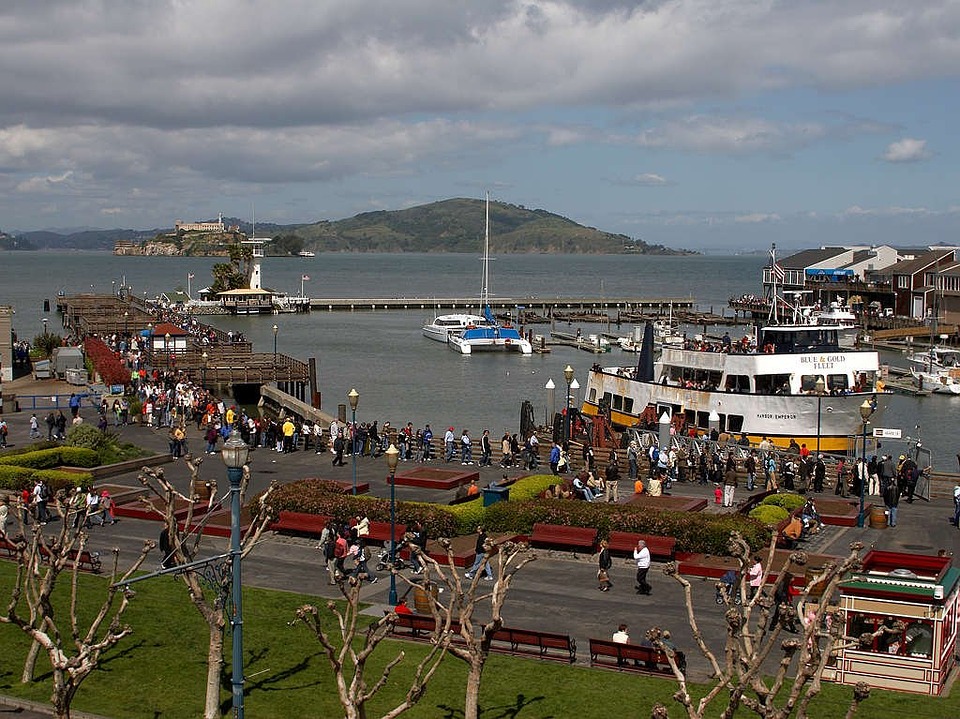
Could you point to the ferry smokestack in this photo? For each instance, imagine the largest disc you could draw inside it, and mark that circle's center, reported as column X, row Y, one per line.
column 645, row 362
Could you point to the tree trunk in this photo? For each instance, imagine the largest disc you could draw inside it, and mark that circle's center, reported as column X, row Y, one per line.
column 30, row 664
column 471, row 701
column 211, row 708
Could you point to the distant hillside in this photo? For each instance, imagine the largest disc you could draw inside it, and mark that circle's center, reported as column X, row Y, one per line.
column 457, row 225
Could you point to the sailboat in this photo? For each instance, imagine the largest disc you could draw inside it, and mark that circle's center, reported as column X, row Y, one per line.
column 490, row 335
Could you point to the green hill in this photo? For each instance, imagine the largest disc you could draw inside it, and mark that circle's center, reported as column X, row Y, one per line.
column 457, row 225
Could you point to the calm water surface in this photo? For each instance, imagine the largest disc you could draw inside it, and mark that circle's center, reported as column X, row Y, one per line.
column 402, row 376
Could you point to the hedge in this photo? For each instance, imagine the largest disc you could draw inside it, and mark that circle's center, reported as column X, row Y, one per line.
column 788, row 501
column 54, row 457
column 694, row 531
column 769, row 514
column 15, row 479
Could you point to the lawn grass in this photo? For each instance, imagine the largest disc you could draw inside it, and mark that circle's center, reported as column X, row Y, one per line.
column 159, row 671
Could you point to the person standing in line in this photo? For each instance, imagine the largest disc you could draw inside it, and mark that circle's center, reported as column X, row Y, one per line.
column 633, row 460
column 605, row 562
column 873, row 472
column 34, row 426
column 480, row 550
column 506, row 460
column 427, row 443
column 51, row 421
column 641, row 555
column 466, row 448
column 338, row 447
column 956, row 506
column 891, row 498
column 729, row 482
column 750, row 464
column 485, row 449
column 555, row 459
column 819, row 474
column 449, row 444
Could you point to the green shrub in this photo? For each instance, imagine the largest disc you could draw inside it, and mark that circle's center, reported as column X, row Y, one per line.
column 58, row 480
column 79, row 457
column 694, row 532
column 27, row 448
column 788, row 501
column 41, row 459
column 531, row 487
column 467, row 515
column 769, row 514
column 13, row 479
column 318, row 497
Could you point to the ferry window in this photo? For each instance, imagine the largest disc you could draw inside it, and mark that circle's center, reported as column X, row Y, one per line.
column 772, row 383
column 617, row 402
column 592, row 395
column 737, row 383
column 837, row 381
column 808, row 382
column 703, row 419
column 735, row 423
column 607, row 399
column 691, row 417
column 628, row 405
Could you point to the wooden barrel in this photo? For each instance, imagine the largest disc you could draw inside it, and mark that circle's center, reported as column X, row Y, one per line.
column 422, row 602
column 878, row 517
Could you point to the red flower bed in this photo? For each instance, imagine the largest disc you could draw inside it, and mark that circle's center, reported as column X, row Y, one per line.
column 106, row 362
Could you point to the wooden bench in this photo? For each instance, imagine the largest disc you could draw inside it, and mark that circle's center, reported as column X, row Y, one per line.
column 533, row 643
column 380, row 532
column 85, row 560
column 661, row 548
column 632, row 657
column 418, row 626
column 563, row 536
column 300, row 523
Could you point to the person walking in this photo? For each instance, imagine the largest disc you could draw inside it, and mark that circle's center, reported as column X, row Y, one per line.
column 449, row 445
column 485, row 449
column 466, row 448
column 338, row 446
column 641, row 555
column 891, row 499
column 605, row 562
column 34, row 426
column 480, row 554
column 956, row 506
column 613, row 482
column 729, row 482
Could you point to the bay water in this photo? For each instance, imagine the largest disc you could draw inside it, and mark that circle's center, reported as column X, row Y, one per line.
column 400, row 375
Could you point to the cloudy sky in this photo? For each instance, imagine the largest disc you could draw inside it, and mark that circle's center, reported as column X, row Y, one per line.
column 714, row 124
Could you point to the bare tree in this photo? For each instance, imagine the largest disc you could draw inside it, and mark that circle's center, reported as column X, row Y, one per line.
column 208, row 585
column 753, row 638
column 349, row 664
column 74, row 652
column 471, row 642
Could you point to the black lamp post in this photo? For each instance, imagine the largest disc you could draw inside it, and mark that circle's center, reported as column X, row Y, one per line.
column 866, row 409
column 354, row 398
column 393, row 455
column 819, row 388
column 275, row 331
column 126, row 318
column 234, row 454
column 568, row 376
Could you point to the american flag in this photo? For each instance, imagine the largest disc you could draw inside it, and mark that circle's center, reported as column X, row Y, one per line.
column 305, row 278
column 776, row 269
column 190, row 276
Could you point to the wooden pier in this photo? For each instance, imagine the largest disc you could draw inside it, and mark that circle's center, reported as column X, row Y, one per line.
column 543, row 305
column 209, row 354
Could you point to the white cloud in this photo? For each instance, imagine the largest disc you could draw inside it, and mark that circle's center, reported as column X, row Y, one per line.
column 700, row 133
column 857, row 211
column 648, row 179
column 757, row 217
column 907, row 150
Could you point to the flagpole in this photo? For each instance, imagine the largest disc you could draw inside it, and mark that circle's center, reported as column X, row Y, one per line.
column 303, row 278
column 189, row 295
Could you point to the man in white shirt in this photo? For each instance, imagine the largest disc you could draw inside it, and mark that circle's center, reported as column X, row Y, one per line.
column 641, row 555
column 620, row 636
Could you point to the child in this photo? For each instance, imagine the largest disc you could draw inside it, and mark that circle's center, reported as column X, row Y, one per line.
column 717, row 494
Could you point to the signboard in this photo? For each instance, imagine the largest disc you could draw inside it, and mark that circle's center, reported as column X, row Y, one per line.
column 887, row 433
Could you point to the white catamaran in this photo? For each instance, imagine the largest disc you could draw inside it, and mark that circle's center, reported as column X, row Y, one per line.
column 487, row 335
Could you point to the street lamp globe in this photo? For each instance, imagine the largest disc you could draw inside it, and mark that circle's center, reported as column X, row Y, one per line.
column 235, row 452
column 866, row 409
column 354, row 398
column 393, row 457
column 568, row 374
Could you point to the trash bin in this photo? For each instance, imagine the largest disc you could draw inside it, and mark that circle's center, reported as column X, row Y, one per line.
column 492, row 495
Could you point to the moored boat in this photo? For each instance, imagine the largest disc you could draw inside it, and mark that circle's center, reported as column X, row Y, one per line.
column 790, row 382
column 439, row 330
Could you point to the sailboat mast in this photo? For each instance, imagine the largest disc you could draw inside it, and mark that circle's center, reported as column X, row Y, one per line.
column 485, row 275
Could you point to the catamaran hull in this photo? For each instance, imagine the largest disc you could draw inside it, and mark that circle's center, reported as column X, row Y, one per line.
column 778, row 417
column 492, row 345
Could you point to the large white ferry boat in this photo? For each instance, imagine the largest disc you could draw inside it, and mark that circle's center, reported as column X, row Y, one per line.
column 790, row 381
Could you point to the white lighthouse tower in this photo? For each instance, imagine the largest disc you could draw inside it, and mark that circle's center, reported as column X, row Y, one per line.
column 254, row 281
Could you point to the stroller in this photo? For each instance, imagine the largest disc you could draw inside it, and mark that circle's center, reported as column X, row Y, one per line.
column 728, row 586
column 383, row 560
